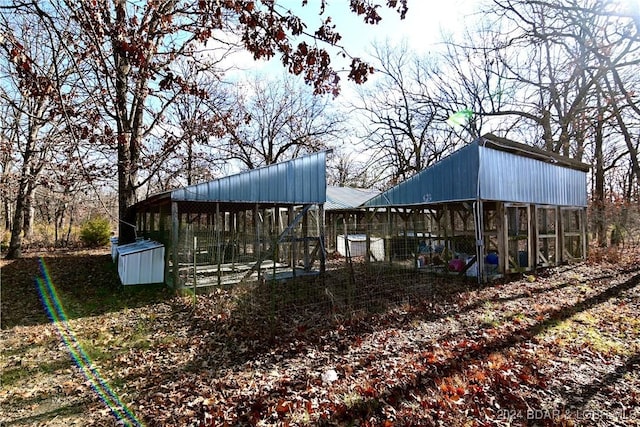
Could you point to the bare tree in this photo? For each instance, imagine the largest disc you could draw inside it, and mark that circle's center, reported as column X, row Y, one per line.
column 36, row 72
column 7, row 177
column 404, row 126
column 278, row 119
column 125, row 51
column 346, row 170
column 571, row 72
column 185, row 147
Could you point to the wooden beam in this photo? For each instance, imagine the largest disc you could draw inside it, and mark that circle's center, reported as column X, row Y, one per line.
column 277, row 241
column 293, row 247
column 175, row 239
column 389, row 231
column 503, row 238
column 219, row 245
column 305, row 244
column 321, row 235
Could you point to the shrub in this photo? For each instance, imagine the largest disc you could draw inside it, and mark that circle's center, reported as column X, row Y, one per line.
column 5, row 238
column 96, row 232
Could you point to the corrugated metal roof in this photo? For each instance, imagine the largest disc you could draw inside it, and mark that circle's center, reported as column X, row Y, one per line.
column 298, row 181
column 137, row 246
column 507, row 171
column 510, row 146
column 345, row 198
column 453, row 178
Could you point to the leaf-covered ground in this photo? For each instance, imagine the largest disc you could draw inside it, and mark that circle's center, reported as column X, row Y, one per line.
column 558, row 348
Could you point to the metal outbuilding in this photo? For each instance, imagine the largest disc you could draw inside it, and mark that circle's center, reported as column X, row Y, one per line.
column 510, row 206
column 141, row 262
column 252, row 224
column 494, row 200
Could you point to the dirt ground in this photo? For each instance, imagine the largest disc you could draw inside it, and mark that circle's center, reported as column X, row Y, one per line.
column 558, row 347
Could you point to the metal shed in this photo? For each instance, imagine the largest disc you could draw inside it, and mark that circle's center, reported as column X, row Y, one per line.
column 254, row 224
column 496, row 200
column 141, row 262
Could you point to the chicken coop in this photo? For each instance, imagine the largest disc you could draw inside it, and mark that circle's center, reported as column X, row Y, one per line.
column 491, row 208
column 260, row 224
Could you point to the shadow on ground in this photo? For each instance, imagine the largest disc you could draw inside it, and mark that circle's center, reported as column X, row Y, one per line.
column 87, row 285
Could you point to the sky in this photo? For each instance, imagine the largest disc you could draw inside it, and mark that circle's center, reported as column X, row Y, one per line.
column 421, row 29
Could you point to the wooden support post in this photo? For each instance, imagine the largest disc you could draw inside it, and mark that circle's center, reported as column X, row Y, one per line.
column 405, row 215
column 175, row 239
column 239, row 236
column 530, row 236
column 368, row 229
column 451, row 222
column 583, row 232
column 276, row 230
column 321, row 237
column 347, row 256
column 539, row 217
column 219, row 245
column 305, row 240
column 367, row 240
column 244, row 231
column 333, row 237
column 256, row 242
column 161, row 220
column 152, row 222
column 556, row 223
column 503, row 238
column 345, row 218
column 415, row 242
column 561, row 238
column 292, row 238
column 273, row 237
column 479, row 240
column 195, row 267
column 264, row 229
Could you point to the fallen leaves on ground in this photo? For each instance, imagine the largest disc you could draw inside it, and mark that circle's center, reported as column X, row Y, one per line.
column 563, row 349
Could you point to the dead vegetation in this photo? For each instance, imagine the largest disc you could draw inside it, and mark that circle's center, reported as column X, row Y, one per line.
column 558, row 348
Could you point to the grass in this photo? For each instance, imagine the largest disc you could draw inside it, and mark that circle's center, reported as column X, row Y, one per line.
column 594, row 329
column 489, row 320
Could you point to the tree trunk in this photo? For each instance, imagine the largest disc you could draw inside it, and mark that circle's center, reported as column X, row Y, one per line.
column 126, row 196
column 15, row 245
column 29, row 211
column 59, row 221
column 598, row 191
column 129, row 111
column 189, row 162
column 66, row 243
column 547, row 131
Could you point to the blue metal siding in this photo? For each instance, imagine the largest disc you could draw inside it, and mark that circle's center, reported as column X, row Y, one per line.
column 509, row 177
column 453, row 178
column 298, row 181
column 504, row 176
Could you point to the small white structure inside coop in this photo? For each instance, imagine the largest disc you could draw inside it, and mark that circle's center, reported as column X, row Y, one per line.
column 356, row 244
